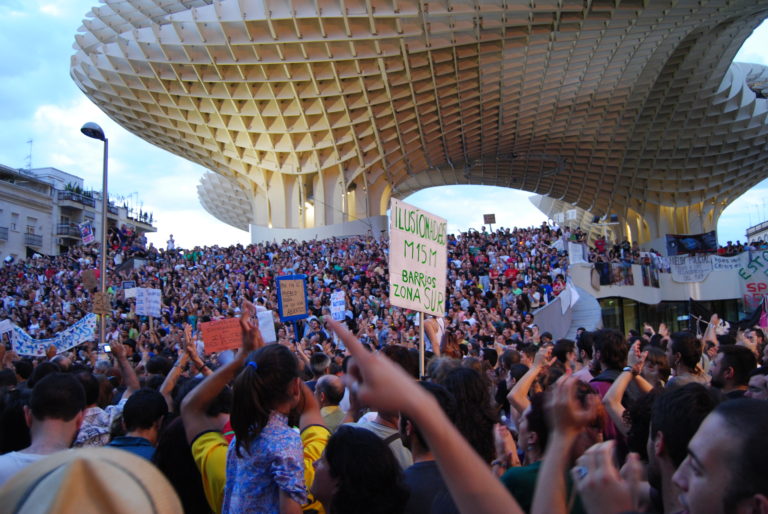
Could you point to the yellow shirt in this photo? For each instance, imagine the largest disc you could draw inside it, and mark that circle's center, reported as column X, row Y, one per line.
column 314, row 438
column 209, row 450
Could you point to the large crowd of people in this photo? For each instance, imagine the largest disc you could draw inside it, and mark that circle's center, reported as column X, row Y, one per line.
column 335, row 417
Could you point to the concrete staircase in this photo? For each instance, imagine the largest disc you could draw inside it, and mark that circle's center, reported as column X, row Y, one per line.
column 586, row 313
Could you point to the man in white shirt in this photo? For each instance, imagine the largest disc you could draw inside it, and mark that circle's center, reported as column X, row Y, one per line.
column 54, row 416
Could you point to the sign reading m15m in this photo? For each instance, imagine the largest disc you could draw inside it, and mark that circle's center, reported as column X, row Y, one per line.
column 417, row 259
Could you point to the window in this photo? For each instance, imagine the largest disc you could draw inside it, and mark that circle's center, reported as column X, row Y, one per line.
column 14, row 221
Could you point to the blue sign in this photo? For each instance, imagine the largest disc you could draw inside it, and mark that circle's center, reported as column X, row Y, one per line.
column 292, row 297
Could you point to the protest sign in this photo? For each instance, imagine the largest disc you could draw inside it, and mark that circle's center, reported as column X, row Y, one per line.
column 5, row 326
column 690, row 268
column 86, row 232
column 753, row 275
column 129, row 284
column 417, row 259
column 267, row 326
column 338, row 305
column 89, row 279
column 292, row 297
column 79, row 333
column 148, row 302
column 130, row 293
column 220, row 335
column 101, row 304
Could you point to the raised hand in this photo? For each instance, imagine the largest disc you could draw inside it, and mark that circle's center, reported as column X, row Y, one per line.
column 377, row 381
column 544, row 358
column 636, row 358
column 566, row 413
column 252, row 339
column 603, row 490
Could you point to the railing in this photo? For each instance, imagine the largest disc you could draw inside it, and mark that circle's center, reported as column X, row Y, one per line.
column 65, row 229
column 77, row 197
column 33, row 240
column 3, row 233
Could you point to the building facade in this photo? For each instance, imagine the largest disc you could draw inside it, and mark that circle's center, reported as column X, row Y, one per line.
column 41, row 211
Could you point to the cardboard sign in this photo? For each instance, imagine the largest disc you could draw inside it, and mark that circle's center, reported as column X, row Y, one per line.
column 489, row 219
column 220, row 335
column 101, row 304
column 89, row 279
column 417, row 259
column 292, row 297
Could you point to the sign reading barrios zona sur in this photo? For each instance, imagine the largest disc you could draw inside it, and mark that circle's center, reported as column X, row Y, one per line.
column 417, row 259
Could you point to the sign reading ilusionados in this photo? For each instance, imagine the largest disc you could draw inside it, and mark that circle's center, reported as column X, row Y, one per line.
column 417, row 259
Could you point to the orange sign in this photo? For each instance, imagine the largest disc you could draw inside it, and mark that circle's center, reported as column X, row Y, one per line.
column 224, row 334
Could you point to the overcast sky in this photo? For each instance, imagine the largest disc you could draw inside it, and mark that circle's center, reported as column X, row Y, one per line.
column 40, row 103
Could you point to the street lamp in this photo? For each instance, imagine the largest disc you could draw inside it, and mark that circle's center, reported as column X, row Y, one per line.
column 92, row 130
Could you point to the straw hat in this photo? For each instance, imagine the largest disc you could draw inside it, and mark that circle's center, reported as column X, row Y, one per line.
column 90, row 480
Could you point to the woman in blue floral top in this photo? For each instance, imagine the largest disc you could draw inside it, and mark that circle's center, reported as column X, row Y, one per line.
column 265, row 464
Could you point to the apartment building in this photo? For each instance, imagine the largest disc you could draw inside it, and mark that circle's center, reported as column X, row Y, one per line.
column 41, row 210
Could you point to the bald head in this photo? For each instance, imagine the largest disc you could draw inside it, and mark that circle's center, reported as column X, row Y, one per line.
column 329, row 390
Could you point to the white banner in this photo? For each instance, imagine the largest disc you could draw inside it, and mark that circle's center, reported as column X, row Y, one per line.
column 6, row 326
column 417, row 259
column 79, row 333
column 753, row 275
column 690, row 268
column 576, row 253
column 148, row 302
column 728, row 263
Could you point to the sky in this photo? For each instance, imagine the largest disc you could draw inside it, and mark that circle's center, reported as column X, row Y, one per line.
column 42, row 110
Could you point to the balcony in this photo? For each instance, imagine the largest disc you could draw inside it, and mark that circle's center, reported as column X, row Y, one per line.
column 67, row 230
column 3, row 233
column 33, row 240
column 71, row 196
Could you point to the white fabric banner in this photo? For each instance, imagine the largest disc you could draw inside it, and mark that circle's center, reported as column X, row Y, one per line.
column 79, row 333
column 576, row 253
column 690, row 268
column 6, row 326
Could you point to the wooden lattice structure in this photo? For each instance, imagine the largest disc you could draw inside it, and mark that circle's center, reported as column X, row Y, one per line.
column 317, row 111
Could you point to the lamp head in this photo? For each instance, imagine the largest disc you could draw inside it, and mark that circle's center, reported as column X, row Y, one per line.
column 92, row 130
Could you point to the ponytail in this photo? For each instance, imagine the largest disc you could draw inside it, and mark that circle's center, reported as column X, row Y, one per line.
column 260, row 387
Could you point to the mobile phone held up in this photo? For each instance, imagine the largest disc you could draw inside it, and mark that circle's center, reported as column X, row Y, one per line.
column 107, row 348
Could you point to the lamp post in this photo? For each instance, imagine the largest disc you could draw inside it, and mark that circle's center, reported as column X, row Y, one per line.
column 92, row 130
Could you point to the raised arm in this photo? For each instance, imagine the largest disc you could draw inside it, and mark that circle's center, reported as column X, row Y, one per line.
column 197, row 401
column 130, row 379
column 172, row 378
column 383, row 385
column 189, row 346
column 518, row 396
column 567, row 417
